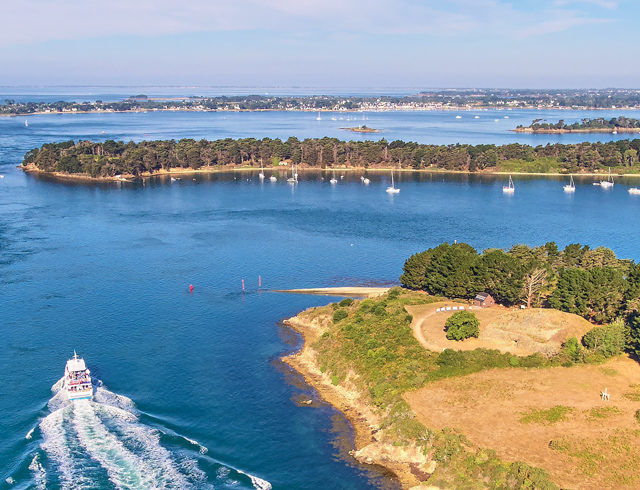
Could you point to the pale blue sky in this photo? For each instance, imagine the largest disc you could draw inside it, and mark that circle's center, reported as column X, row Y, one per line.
column 456, row 43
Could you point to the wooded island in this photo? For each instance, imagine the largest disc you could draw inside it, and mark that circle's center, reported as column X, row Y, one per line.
column 598, row 125
column 111, row 158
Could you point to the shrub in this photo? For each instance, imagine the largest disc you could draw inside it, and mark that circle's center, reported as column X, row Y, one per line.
column 339, row 315
column 380, row 311
column 346, row 302
column 608, row 340
column 462, row 325
column 572, row 350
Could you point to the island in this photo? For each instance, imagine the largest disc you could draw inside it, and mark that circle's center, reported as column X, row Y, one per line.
column 428, row 100
column 117, row 160
column 501, row 369
column 597, row 125
column 362, row 129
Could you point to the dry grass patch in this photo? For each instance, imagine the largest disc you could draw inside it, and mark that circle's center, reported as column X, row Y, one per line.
column 521, row 332
column 552, row 418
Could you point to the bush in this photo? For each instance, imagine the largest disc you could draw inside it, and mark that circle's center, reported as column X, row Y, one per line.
column 571, row 350
column 339, row 315
column 462, row 325
column 346, row 302
column 608, row 340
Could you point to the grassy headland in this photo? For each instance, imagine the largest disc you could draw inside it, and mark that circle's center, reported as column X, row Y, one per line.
column 461, row 418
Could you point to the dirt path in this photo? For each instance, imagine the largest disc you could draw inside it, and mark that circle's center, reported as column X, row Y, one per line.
column 513, row 330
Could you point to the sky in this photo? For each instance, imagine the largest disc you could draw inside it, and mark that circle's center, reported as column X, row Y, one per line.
column 345, row 43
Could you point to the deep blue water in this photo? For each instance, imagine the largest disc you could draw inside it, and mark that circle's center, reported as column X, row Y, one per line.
column 105, row 269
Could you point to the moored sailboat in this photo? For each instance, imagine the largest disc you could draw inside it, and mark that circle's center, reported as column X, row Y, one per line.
column 392, row 189
column 607, row 184
column 510, row 188
column 570, row 187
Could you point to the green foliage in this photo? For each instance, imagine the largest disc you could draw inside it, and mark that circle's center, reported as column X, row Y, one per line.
column 462, row 325
column 572, row 350
column 638, row 415
column 597, row 413
column 339, row 315
column 346, row 302
column 459, row 363
column 545, row 417
column 609, row 340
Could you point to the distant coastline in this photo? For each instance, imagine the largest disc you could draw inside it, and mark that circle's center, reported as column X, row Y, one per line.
column 586, row 130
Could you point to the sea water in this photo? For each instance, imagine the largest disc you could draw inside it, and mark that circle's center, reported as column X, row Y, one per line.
column 192, row 393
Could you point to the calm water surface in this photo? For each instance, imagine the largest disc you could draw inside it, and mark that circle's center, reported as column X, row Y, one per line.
column 193, row 391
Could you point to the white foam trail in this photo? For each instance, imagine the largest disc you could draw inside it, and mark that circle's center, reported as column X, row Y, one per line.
column 147, row 441
column 55, row 444
column 30, row 433
column 39, row 474
column 201, row 448
column 124, row 468
column 258, row 483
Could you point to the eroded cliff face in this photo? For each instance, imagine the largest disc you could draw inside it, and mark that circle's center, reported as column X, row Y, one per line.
column 373, row 445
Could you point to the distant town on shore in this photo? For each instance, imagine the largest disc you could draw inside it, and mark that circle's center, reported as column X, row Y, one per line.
column 428, row 100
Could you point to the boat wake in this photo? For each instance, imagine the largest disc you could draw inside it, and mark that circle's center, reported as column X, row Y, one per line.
column 103, row 443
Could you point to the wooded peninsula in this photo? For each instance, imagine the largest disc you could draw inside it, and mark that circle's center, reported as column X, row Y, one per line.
column 107, row 159
column 597, row 125
column 447, row 390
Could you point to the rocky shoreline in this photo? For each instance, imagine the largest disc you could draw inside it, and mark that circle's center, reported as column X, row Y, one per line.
column 410, row 466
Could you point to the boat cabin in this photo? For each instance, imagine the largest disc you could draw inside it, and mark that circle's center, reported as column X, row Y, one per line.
column 483, row 300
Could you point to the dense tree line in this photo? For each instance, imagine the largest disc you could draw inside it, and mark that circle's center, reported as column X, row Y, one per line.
column 592, row 283
column 108, row 158
column 595, row 123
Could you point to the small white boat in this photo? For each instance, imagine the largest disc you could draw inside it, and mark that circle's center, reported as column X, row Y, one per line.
column 570, row 187
column 509, row 189
column 458, row 117
column 614, row 132
column 294, row 176
column 261, row 174
column 273, row 178
column 366, row 181
column 318, row 118
column 1, row 176
column 26, row 123
column 634, row 191
column 392, row 189
column 476, row 117
column 333, row 179
column 173, row 179
column 77, row 379
column 607, row 184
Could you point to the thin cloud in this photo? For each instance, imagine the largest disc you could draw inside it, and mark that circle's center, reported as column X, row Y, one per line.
column 75, row 20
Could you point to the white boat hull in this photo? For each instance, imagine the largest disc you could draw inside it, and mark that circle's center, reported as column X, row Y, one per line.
column 392, row 190
column 568, row 188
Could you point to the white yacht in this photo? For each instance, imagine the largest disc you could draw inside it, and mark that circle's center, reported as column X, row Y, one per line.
column 392, row 189
column 634, row 191
column 333, row 179
column 607, row 184
column 570, row 187
column 273, row 178
column 366, row 181
column 509, row 189
column 26, row 123
column 77, row 379
column 294, row 176
column 261, row 174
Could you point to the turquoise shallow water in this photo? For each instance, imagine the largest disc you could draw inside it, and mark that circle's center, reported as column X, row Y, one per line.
column 105, row 270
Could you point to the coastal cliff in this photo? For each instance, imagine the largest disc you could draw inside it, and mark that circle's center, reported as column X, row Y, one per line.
column 409, row 464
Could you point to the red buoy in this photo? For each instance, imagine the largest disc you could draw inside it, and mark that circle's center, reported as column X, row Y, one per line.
column 259, row 281
column 191, row 288
column 243, row 284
